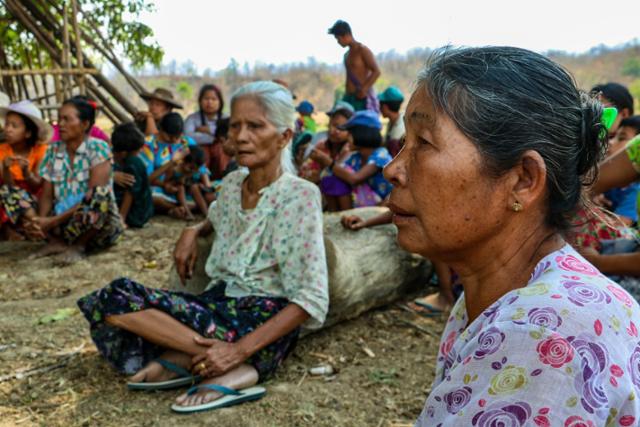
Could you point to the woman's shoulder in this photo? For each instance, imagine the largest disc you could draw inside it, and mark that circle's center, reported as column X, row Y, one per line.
column 193, row 116
column 5, row 150
column 296, row 187
column 97, row 144
column 569, row 295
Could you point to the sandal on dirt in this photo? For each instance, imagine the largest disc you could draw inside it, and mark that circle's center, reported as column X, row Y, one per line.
column 231, row 397
column 423, row 309
column 184, row 379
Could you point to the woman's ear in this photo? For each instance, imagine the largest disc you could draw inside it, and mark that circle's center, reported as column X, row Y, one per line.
column 529, row 179
column 286, row 137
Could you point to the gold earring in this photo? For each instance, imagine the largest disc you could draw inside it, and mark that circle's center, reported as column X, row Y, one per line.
column 516, row 206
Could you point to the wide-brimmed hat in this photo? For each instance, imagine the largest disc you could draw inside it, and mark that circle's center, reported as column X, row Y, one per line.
column 162, row 94
column 33, row 113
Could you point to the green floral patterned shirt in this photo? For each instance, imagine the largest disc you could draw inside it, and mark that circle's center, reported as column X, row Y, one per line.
column 71, row 181
column 276, row 249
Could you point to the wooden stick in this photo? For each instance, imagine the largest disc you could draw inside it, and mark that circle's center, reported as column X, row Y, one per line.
column 76, row 32
column 66, row 56
column 419, row 328
column 34, row 72
column 23, row 373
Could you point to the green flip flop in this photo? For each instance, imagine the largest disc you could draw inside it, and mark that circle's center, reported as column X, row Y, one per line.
column 185, row 378
column 231, row 397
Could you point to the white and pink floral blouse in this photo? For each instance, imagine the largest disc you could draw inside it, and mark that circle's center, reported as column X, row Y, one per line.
column 562, row 351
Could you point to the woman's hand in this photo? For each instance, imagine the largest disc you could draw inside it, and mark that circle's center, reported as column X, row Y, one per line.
column 353, row 222
column 203, row 129
column 220, row 358
column 321, row 157
column 124, row 179
column 185, row 253
column 33, row 230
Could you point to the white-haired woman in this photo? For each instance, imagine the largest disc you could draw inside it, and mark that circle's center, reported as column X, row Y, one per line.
column 267, row 268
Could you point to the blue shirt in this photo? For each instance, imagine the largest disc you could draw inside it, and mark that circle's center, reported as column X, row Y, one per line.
column 380, row 157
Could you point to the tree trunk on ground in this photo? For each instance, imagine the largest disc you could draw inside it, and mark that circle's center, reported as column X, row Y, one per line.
column 367, row 269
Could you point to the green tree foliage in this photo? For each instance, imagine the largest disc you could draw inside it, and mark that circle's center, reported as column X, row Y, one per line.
column 631, row 67
column 115, row 19
column 185, row 90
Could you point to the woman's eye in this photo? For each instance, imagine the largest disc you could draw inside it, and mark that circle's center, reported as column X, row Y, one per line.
column 423, row 141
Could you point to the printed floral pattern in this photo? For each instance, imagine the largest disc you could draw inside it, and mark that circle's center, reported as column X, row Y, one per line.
column 563, row 350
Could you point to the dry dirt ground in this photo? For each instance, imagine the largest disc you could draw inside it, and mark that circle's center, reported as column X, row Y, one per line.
column 51, row 374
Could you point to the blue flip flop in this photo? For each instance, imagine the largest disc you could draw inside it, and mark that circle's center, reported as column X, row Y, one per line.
column 429, row 310
column 231, row 397
column 184, row 378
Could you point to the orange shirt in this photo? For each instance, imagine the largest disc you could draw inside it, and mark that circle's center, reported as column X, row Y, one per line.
column 35, row 157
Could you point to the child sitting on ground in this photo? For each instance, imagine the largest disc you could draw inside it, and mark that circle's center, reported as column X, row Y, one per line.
column 135, row 201
column 186, row 179
column 362, row 169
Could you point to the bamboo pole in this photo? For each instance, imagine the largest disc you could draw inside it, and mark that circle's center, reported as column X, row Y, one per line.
column 16, row 8
column 76, row 32
column 120, row 115
column 34, row 72
column 33, row 77
column 66, row 55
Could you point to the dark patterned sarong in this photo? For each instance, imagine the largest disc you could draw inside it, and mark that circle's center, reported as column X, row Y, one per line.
column 211, row 314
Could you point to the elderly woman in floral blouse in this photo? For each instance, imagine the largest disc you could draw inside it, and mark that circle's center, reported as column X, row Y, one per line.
column 267, row 268
column 499, row 143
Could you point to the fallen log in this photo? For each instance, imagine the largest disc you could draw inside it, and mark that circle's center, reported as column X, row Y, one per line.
column 367, row 269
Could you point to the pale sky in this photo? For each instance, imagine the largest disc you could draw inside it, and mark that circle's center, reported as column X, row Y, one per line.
column 211, row 32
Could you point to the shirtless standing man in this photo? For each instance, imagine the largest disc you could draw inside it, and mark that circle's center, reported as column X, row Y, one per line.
column 362, row 69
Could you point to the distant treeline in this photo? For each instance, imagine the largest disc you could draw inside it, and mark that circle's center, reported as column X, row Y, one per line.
column 320, row 83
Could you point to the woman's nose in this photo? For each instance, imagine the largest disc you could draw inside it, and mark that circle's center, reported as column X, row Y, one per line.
column 395, row 172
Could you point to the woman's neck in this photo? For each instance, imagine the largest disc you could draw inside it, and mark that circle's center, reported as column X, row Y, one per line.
column 501, row 265
column 262, row 177
column 73, row 144
column 21, row 148
column 211, row 116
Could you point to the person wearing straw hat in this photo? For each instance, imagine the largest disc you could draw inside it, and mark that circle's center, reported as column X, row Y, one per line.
column 159, row 102
column 20, row 157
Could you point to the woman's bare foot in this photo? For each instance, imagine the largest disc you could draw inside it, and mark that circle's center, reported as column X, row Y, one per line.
column 71, row 255
column 51, row 248
column 155, row 372
column 241, row 377
column 13, row 235
column 432, row 304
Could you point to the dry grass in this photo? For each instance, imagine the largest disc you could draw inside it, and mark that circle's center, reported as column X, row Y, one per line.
column 386, row 390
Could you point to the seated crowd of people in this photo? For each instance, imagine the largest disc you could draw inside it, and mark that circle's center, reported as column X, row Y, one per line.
column 495, row 213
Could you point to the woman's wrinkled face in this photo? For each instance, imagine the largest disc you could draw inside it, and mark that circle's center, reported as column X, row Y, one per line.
column 210, row 103
column 443, row 200
column 256, row 139
column 15, row 130
column 336, row 135
column 71, row 127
